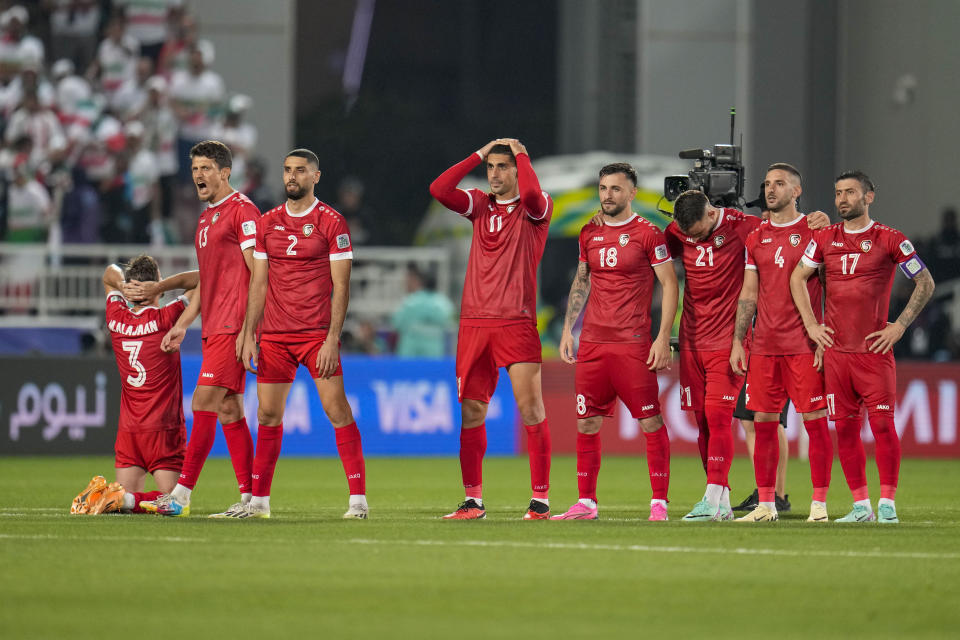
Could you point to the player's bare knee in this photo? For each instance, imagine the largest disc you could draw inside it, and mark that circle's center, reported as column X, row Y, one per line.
column 339, row 416
column 473, row 413
column 649, row 425
column 231, row 409
column 207, row 398
column 590, row 426
column 269, row 416
column 532, row 412
column 815, row 415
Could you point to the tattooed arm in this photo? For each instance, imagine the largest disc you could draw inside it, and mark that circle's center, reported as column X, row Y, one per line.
column 579, row 292
column 889, row 335
column 746, row 309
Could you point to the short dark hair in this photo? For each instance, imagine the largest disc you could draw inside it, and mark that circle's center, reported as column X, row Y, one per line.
column 620, row 167
column 214, row 150
column 789, row 168
column 865, row 182
column 690, row 208
column 143, row 268
column 306, row 154
column 503, row 149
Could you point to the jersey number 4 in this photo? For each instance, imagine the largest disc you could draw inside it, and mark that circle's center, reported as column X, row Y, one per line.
column 133, row 348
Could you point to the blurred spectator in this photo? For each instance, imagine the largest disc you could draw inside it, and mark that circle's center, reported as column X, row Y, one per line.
column 28, row 206
column 363, row 338
column 73, row 30
column 141, row 186
column 257, row 188
column 29, row 80
column 43, row 128
column 148, row 21
column 80, row 217
column 116, row 60
column 175, row 55
column 424, row 319
column 16, row 46
column 131, row 97
column 197, row 94
column 239, row 135
column 944, row 248
column 360, row 217
column 160, row 131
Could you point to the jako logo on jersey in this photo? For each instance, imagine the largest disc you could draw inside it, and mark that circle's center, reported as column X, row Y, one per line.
column 883, row 407
column 766, row 240
column 216, row 217
column 206, row 375
column 729, row 398
column 279, row 227
column 906, row 247
column 836, row 244
column 816, row 399
column 794, row 239
column 307, row 230
column 598, row 238
column 718, row 240
column 865, row 245
column 343, row 241
column 646, row 407
column 624, row 239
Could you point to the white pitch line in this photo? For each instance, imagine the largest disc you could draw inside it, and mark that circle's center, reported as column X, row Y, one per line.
column 662, row 549
column 132, row 538
column 34, row 509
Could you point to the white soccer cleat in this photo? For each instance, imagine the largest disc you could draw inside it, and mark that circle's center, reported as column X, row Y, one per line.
column 357, row 511
column 818, row 513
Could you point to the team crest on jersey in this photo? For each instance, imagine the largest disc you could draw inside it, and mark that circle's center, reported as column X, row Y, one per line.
column 624, row 239
column 865, row 245
column 511, row 208
column 307, row 230
column 718, row 241
column 794, row 239
column 216, row 217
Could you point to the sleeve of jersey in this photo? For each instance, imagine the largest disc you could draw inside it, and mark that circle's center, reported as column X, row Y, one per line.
column 673, row 243
column 172, row 310
column 115, row 301
column 445, row 190
column 904, row 254
column 260, row 242
column 656, row 247
column 340, row 246
column 246, row 225
column 748, row 253
column 537, row 202
column 813, row 254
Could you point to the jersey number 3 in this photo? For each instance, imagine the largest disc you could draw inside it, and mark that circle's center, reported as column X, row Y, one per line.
column 133, row 348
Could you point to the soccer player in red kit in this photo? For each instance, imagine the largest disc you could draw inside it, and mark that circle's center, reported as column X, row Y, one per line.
column 783, row 362
column 859, row 257
column 617, row 357
column 151, row 435
column 498, row 313
column 710, row 241
column 300, row 290
column 226, row 233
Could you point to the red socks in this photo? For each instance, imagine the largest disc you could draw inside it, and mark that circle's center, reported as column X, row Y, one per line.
column 269, row 439
column 703, row 436
column 853, row 460
column 143, row 497
column 887, row 452
column 240, row 446
column 658, row 461
column 473, row 445
column 720, row 444
column 351, row 455
column 588, row 464
column 201, row 441
column 766, row 454
column 538, row 450
column 821, row 456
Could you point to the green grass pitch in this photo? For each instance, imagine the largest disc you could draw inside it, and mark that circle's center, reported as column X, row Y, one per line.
column 404, row 573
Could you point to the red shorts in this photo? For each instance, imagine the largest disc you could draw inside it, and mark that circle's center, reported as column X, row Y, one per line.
column 707, row 379
column 606, row 371
column 220, row 367
column 282, row 353
column 151, row 450
column 772, row 379
column 854, row 378
column 481, row 351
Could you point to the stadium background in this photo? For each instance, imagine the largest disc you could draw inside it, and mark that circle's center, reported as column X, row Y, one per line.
column 389, row 96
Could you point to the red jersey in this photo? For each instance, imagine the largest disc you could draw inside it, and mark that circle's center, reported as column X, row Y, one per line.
column 151, row 396
column 860, row 266
column 773, row 251
column 508, row 242
column 299, row 248
column 714, row 276
column 621, row 257
column 225, row 229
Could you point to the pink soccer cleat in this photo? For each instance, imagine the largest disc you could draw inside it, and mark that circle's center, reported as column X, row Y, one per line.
column 578, row 511
column 658, row 513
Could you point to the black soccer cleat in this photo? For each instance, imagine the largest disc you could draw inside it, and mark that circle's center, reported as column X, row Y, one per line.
column 751, row 502
column 783, row 504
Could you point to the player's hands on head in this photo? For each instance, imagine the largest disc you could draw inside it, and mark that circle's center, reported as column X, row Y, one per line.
column 659, row 357
column 567, row 352
column 327, row 358
column 738, row 358
column 516, row 146
column 817, row 220
column 484, row 151
column 885, row 338
column 821, row 334
column 138, row 291
column 248, row 352
column 172, row 339
column 818, row 359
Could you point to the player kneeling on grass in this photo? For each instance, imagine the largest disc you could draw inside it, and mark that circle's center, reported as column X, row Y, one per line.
column 618, row 263
column 299, row 289
column 151, row 436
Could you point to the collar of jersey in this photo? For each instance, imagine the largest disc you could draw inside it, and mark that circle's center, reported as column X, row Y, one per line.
column 129, row 308
column 622, row 222
column 217, row 204
column 787, row 224
column 286, row 207
column 513, row 199
column 866, row 228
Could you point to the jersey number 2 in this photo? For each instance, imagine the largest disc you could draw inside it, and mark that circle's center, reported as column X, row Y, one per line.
column 133, row 348
column 293, row 242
